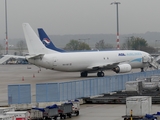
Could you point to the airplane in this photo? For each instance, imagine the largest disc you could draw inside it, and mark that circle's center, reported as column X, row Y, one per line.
column 120, row 61
column 46, row 41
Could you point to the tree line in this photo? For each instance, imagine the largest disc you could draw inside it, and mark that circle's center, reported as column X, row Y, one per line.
column 131, row 43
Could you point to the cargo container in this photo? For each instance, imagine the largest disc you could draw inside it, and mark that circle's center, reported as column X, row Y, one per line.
column 20, row 115
column 155, row 78
column 140, row 105
column 134, row 86
column 137, row 107
column 144, row 79
column 150, row 86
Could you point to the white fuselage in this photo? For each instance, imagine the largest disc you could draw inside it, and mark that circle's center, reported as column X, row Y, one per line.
column 84, row 61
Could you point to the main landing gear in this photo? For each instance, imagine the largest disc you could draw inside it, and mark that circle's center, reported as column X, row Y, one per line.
column 85, row 74
column 100, row 74
column 142, row 69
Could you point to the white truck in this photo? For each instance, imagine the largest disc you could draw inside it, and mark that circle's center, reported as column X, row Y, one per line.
column 7, row 117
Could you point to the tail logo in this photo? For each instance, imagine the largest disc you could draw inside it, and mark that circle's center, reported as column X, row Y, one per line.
column 46, row 41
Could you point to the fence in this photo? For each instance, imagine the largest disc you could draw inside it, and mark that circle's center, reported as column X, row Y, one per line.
column 18, row 94
column 55, row 92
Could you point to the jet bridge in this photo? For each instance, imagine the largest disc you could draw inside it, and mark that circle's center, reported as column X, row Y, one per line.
column 151, row 61
column 154, row 64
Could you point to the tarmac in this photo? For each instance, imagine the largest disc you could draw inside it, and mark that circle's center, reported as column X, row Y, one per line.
column 30, row 74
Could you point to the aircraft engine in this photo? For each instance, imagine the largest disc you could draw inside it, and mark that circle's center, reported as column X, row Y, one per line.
column 122, row 68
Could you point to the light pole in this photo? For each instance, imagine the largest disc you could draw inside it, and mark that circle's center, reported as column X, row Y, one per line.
column 6, row 27
column 116, row 3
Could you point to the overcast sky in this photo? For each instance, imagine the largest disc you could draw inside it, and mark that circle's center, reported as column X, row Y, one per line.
column 61, row 17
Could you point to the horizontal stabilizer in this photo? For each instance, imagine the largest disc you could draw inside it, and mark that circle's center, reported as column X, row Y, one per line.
column 35, row 56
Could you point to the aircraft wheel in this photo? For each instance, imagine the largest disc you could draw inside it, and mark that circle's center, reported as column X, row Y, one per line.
column 77, row 113
column 100, row 74
column 142, row 69
column 64, row 116
column 84, row 74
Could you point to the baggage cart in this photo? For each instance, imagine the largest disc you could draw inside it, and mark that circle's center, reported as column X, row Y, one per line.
column 65, row 110
column 36, row 114
column 51, row 112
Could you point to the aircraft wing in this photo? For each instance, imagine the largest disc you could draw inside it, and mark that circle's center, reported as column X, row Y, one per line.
column 14, row 56
column 104, row 66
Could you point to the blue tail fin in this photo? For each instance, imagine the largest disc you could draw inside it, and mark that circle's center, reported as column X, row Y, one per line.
column 46, row 41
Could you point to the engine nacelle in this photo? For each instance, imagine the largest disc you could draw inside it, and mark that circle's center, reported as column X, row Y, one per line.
column 122, row 68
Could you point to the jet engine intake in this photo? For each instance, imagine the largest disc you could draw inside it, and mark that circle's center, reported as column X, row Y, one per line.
column 122, row 68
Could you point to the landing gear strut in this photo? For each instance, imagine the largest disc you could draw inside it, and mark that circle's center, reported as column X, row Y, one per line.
column 84, row 74
column 100, row 74
column 142, row 69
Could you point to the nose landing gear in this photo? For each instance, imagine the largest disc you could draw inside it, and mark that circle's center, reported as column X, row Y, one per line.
column 142, row 69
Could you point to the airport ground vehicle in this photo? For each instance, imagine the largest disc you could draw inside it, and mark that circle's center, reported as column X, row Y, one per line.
column 36, row 114
column 75, row 107
column 65, row 110
column 48, row 113
column 51, row 112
